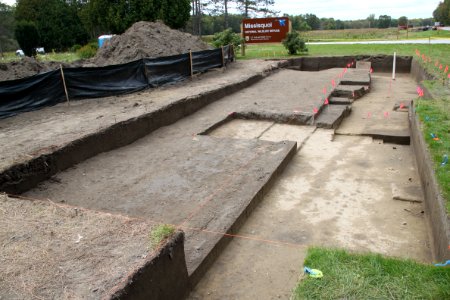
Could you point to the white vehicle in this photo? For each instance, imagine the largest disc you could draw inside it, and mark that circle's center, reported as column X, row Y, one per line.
column 20, row 53
column 40, row 50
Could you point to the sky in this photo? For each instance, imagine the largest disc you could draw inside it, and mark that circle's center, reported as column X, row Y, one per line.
column 351, row 9
column 359, row 9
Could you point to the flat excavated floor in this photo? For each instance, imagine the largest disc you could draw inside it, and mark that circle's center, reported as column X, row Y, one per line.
column 197, row 182
column 336, row 192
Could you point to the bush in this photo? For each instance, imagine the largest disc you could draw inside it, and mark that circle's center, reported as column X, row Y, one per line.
column 87, row 51
column 227, row 37
column 75, row 48
column 94, row 45
column 293, row 43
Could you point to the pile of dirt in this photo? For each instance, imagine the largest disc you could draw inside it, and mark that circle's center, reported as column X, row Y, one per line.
column 25, row 67
column 142, row 40
column 145, row 40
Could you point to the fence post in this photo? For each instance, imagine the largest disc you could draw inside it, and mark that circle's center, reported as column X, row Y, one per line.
column 223, row 58
column 145, row 71
column 192, row 65
column 64, row 83
column 232, row 52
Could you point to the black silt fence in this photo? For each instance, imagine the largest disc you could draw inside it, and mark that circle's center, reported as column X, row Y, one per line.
column 47, row 89
column 105, row 81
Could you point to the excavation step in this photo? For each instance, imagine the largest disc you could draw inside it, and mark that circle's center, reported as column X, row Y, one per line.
column 332, row 116
column 340, row 101
column 350, row 91
column 356, row 77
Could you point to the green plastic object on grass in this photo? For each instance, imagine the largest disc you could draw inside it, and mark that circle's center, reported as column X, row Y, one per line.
column 314, row 273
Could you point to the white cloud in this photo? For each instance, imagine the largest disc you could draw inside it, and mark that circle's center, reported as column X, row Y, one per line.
column 9, row 2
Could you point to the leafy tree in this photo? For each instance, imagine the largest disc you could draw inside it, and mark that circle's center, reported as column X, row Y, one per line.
column 328, row 24
column 7, row 24
column 293, row 43
column 116, row 16
column 442, row 12
column 249, row 7
column 313, row 21
column 175, row 13
column 384, row 21
column 219, row 7
column 340, row 24
column 403, row 21
column 372, row 21
column 27, row 36
column 56, row 21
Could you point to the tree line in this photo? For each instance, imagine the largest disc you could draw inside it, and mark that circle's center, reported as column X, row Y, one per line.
column 442, row 12
column 60, row 24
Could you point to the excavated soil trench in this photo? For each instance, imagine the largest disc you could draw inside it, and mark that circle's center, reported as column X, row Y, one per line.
column 337, row 191
column 252, row 150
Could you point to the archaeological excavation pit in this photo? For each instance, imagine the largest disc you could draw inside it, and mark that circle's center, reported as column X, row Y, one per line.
column 288, row 155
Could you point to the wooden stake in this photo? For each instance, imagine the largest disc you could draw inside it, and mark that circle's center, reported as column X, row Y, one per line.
column 192, row 66
column 223, row 58
column 232, row 52
column 64, row 83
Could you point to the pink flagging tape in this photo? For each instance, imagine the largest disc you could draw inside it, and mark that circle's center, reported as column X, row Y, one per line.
column 315, row 110
column 326, row 101
column 386, row 114
column 402, row 105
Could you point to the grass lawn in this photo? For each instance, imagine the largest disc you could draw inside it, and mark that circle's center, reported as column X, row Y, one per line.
column 56, row 56
column 370, row 276
column 371, row 34
column 435, row 118
column 435, row 52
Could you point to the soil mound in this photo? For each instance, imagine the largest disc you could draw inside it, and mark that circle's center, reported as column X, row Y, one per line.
column 145, row 40
column 28, row 66
column 18, row 69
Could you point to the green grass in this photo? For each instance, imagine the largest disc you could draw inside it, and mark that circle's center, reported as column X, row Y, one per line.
column 270, row 51
column 370, row 276
column 371, row 34
column 435, row 118
column 67, row 57
column 160, row 233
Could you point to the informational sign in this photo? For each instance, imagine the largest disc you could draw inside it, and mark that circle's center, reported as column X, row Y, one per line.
column 265, row 30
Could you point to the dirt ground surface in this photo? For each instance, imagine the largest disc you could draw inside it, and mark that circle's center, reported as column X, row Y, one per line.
column 53, row 251
column 174, row 168
column 336, row 192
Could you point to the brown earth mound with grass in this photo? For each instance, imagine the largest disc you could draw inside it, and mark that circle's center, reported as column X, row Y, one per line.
column 145, row 40
column 29, row 66
column 141, row 40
